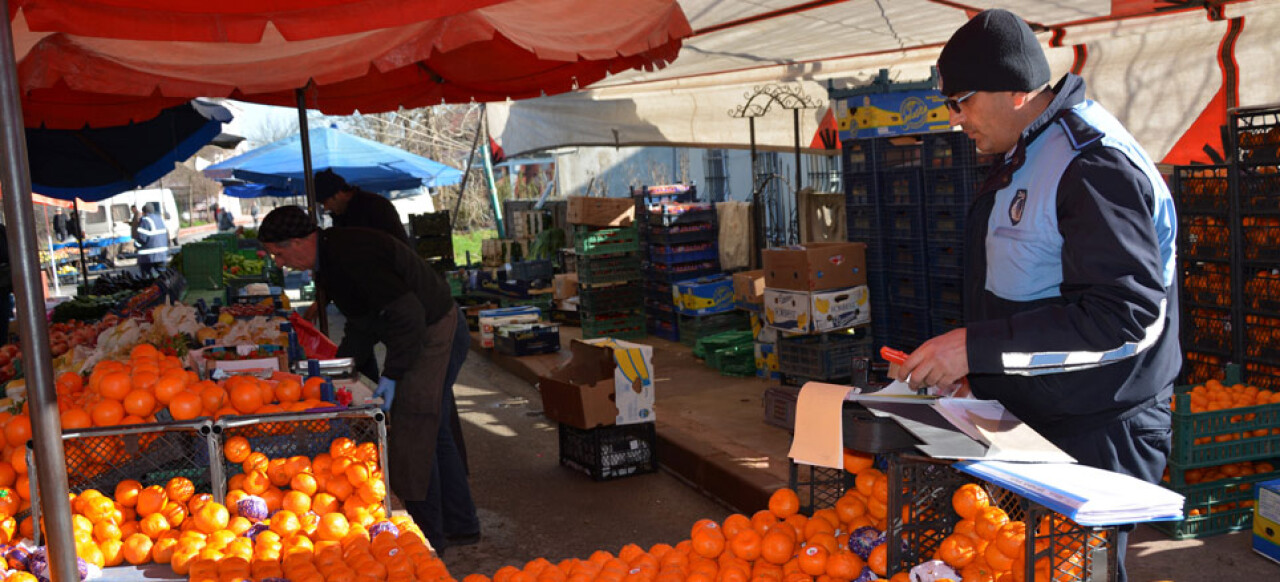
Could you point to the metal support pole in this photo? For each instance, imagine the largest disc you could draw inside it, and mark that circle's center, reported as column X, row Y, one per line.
column 795, row 125
column 309, row 181
column 488, row 175
column 79, row 234
column 757, row 202
column 46, row 427
column 466, row 172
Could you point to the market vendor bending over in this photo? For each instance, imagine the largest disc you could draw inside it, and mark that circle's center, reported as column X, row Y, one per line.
column 385, row 290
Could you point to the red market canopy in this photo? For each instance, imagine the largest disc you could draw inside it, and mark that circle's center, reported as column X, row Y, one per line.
column 75, row 68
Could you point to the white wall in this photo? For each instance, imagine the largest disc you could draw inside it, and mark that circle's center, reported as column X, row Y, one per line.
column 615, row 170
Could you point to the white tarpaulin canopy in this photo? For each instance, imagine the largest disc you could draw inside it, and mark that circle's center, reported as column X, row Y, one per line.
column 1168, row 70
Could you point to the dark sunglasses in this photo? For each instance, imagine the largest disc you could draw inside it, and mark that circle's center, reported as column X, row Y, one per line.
column 953, row 103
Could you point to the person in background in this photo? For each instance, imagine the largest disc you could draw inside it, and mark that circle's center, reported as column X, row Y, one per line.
column 352, row 206
column 226, row 222
column 253, row 211
column 385, row 290
column 1070, row 307
column 60, row 225
column 153, row 241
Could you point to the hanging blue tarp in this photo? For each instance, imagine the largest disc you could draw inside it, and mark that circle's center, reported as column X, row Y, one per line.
column 365, row 163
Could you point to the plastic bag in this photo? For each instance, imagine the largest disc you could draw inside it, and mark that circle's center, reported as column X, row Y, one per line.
column 317, row 345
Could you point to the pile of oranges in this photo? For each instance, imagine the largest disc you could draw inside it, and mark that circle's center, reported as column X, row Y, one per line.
column 345, row 482
column 987, row 546
column 1213, row 396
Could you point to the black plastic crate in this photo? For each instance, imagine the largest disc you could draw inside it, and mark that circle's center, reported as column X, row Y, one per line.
column 431, row 246
column 1207, row 329
column 909, row 328
column 1264, row 375
column 1201, row 189
column 827, row 356
column 1261, row 190
column 1261, row 238
column 614, row 324
column 1261, row 289
column 608, row 269
column 920, row 514
column 610, row 452
column 901, row 187
column 818, row 487
column 1261, row 332
column 941, row 322
column 948, row 149
column 610, row 298
column 671, row 215
column 1209, row 283
column 1204, row 237
column 859, row 156
column 537, row 270
column 860, row 189
column 658, row 291
column 953, row 186
column 663, row 311
column 1255, row 136
column 946, row 258
column 538, row 339
column 946, row 222
column 899, row 152
column 946, row 293
column 903, row 222
column 780, row 406
column 1199, row 367
column 681, row 272
column 430, row 224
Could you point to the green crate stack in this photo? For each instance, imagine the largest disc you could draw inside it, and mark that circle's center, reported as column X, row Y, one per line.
column 202, row 264
column 226, row 239
column 730, row 352
column 608, row 263
column 1203, row 442
column 695, row 327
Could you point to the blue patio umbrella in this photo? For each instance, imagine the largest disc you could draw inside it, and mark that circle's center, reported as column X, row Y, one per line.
column 365, row 163
column 98, row 163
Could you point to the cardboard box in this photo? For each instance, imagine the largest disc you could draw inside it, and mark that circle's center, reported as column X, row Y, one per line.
column 490, row 319
column 816, row 266
column 565, row 286
column 1266, row 519
column 816, row 312
column 605, row 382
column 601, row 211
column 704, row 295
column 748, row 287
column 208, row 359
column 767, row 360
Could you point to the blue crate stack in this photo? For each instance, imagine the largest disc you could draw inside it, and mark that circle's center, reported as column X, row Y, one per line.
column 907, row 198
column 671, row 247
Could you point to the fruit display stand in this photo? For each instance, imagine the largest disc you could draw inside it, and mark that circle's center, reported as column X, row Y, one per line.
column 303, row 433
column 99, row 458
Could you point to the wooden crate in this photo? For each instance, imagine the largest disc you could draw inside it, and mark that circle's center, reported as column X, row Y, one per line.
column 601, row 211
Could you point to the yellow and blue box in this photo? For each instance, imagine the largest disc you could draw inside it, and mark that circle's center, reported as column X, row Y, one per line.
column 767, row 360
column 816, row 312
column 704, row 295
column 1266, row 519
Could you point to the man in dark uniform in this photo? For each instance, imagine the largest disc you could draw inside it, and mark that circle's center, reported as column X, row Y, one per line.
column 1070, row 303
column 386, row 291
column 352, row 206
column 153, row 241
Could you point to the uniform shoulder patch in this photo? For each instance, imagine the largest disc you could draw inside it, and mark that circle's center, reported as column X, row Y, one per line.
column 1079, row 131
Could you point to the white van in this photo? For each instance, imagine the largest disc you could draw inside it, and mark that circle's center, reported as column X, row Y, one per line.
column 111, row 219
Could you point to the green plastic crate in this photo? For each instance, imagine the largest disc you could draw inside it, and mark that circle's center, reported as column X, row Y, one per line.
column 695, row 327
column 1188, row 427
column 610, row 298
column 1214, row 500
column 202, row 264
column 617, row 325
column 606, row 241
column 608, row 269
column 226, row 239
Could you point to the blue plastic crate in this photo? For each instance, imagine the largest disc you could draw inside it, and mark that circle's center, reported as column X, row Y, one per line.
column 946, row 258
column 684, row 253
column 903, row 222
column 901, row 187
column 667, row 330
column 898, row 152
column 908, row 328
column 946, row 222
column 942, row 322
column 860, row 189
column 950, row 185
column 907, row 287
column 859, row 155
column 946, row 293
column 683, row 233
column 863, row 223
column 904, row 254
column 681, row 272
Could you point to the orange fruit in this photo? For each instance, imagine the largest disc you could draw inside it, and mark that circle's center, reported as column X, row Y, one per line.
column 1011, row 537
column 180, row 489
column 297, row 502
column 154, row 525
column 813, row 560
column 746, row 545
column 185, row 405
column 236, row 449
column 246, row 398
column 844, row 565
column 311, row 388
column 304, row 482
column 8, row 476
column 137, row 549
column 957, row 550
column 212, row 397
column 784, row 502
column 969, row 499
column 288, row 390
column 151, row 500
column 127, row 492
column 285, row 523
column 167, row 387
column 140, row 403
column 256, row 461
column 996, row 558
column 18, row 430
column 341, row 447
column 75, row 419
column 989, row 521
column 777, row 547
column 211, row 517
column 115, row 385
column 878, row 559
column 855, row 461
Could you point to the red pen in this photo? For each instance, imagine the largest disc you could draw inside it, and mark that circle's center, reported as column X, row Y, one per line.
column 893, row 356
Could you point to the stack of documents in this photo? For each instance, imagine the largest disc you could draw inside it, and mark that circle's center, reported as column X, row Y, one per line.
column 1087, row 495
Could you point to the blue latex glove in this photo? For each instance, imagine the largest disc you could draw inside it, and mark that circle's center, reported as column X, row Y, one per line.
column 386, row 391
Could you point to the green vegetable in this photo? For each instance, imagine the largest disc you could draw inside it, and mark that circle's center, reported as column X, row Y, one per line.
column 547, row 244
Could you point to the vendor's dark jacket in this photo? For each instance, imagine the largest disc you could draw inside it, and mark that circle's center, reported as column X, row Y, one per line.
column 383, row 289
column 1070, row 297
column 369, row 210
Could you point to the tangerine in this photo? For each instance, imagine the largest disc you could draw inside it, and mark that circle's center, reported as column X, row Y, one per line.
column 75, row 419
column 151, row 500
column 777, row 547
column 237, row 449
column 246, row 398
column 969, row 499
column 784, row 503
column 878, row 559
column 185, row 405
column 115, row 385
column 140, row 403
column 137, row 549
column 746, row 544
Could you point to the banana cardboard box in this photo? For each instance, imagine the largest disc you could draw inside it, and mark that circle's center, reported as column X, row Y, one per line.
column 490, row 319
column 704, row 295
column 817, row 311
column 605, row 382
column 767, row 360
column 1266, row 519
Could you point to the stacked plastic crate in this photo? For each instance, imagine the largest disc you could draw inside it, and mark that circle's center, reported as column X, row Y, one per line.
column 897, row 271
column 1204, row 257
column 608, row 265
column 678, row 246
column 1256, row 147
column 952, row 173
column 433, row 238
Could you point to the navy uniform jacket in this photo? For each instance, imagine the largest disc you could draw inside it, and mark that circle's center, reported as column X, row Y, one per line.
column 1070, row 296
column 369, row 210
